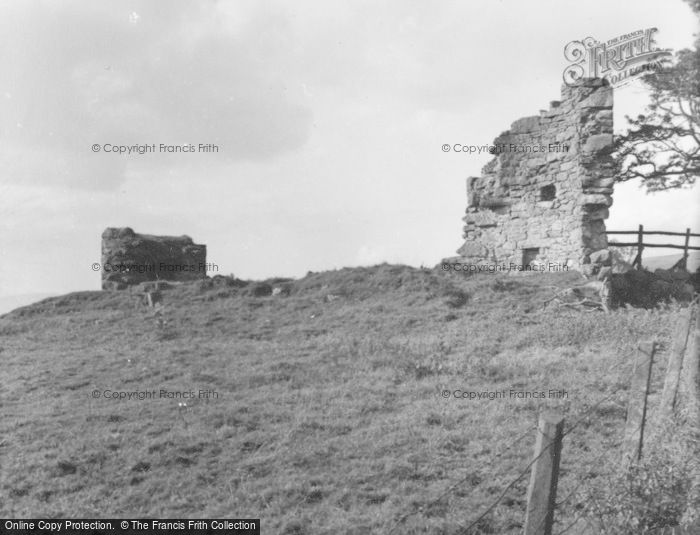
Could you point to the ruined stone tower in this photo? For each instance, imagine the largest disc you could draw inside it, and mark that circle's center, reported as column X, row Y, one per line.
column 545, row 194
column 130, row 259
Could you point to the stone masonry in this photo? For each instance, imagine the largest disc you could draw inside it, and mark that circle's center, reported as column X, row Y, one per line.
column 130, row 259
column 542, row 199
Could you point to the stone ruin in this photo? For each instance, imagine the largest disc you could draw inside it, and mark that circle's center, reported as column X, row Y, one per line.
column 543, row 198
column 130, row 259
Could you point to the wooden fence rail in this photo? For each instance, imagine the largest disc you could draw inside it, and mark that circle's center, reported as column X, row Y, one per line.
column 640, row 245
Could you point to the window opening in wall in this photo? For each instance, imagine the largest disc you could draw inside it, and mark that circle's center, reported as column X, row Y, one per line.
column 530, row 255
column 548, row 193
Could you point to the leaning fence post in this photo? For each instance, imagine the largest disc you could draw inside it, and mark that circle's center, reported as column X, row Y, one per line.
column 688, row 388
column 675, row 363
column 542, row 491
column 637, row 404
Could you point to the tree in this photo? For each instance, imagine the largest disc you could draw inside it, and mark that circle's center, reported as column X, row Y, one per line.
column 662, row 146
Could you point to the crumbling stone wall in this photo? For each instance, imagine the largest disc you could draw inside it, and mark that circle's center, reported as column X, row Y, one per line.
column 130, row 259
column 545, row 194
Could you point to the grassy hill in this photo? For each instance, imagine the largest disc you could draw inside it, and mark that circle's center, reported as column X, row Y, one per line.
column 330, row 417
column 10, row 302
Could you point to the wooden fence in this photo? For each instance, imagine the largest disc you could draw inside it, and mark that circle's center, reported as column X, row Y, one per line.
column 541, row 498
column 640, row 244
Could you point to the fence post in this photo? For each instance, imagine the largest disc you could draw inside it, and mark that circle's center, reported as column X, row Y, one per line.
column 542, row 491
column 637, row 404
column 688, row 388
column 675, row 362
column 690, row 414
column 640, row 247
column 685, row 249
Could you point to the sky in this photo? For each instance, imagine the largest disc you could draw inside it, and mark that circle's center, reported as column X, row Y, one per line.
column 329, row 117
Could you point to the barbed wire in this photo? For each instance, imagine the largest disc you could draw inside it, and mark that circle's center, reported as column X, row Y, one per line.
column 587, row 411
column 452, row 487
column 508, row 487
column 578, row 487
column 580, row 419
column 571, row 494
column 575, row 491
column 571, row 525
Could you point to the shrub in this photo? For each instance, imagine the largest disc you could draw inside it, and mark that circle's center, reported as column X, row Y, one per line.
column 652, row 494
column 456, row 298
column 259, row 289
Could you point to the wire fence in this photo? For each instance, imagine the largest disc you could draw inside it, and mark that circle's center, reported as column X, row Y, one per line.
column 579, row 503
column 581, row 417
column 455, row 485
column 526, row 435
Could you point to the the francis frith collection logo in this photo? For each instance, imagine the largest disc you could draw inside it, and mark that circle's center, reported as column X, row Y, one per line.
column 618, row 60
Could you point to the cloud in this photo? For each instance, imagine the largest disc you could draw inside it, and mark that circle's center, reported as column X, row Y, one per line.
column 139, row 73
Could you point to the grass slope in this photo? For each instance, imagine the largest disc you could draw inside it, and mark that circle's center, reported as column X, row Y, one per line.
column 329, row 417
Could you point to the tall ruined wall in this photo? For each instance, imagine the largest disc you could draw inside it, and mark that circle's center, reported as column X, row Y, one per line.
column 546, row 192
column 129, row 258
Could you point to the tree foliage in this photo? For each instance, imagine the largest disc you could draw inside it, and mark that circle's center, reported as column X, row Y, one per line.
column 662, row 146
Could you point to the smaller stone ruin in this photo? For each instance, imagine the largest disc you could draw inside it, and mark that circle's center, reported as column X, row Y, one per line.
column 129, row 259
